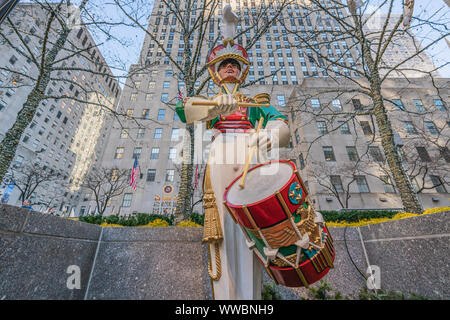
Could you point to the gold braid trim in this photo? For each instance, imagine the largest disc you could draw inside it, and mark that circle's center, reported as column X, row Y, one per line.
column 214, row 277
column 212, row 230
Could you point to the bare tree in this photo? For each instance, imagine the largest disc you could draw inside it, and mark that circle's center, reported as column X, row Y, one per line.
column 344, row 45
column 194, row 20
column 29, row 177
column 106, row 184
column 51, row 50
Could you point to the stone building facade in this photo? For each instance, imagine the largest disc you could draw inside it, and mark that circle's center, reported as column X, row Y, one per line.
column 278, row 66
column 66, row 135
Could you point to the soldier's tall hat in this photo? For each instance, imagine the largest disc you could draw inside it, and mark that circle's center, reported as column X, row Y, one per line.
column 228, row 50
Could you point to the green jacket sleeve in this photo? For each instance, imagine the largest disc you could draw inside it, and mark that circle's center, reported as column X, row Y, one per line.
column 180, row 111
column 268, row 113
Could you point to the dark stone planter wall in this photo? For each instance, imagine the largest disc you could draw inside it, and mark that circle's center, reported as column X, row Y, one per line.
column 413, row 256
column 116, row 263
column 171, row 263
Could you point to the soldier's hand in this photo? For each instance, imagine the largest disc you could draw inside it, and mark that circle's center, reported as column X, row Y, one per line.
column 262, row 140
column 226, row 104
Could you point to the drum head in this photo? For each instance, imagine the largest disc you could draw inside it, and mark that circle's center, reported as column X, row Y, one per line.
column 259, row 184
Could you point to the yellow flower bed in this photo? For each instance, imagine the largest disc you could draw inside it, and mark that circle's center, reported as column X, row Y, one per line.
column 156, row 223
column 188, row 223
column 398, row 216
column 105, row 224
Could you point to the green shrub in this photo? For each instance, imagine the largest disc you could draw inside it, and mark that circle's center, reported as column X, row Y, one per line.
column 92, row 219
column 197, row 218
column 112, row 219
column 139, row 220
column 325, row 292
column 365, row 294
column 270, row 292
column 355, row 215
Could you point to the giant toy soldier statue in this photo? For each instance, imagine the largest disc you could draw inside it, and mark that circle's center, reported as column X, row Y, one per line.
column 269, row 214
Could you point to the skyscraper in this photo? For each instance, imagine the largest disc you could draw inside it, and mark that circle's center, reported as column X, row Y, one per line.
column 279, row 65
column 66, row 135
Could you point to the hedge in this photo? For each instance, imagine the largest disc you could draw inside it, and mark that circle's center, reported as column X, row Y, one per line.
column 356, row 215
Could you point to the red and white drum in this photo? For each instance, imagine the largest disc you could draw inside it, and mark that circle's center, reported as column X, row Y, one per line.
column 288, row 237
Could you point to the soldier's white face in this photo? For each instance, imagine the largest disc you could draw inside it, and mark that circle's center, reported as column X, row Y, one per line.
column 229, row 70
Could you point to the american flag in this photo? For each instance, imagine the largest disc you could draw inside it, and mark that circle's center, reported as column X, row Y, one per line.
column 180, row 95
column 134, row 174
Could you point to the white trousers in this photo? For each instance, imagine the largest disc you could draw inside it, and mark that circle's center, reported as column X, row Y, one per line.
column 241, row 270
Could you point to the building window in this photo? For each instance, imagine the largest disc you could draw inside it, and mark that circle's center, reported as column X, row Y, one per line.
column 166, row 84
column 438, row 184
column 175, row 134
column 445, row 153
column 419, row 105
column 423, row 154
column 161, row 114
column 376, row 154
column 164, row 97
column 336, row 105
column 409, row 127
column 336, row 182
column 344, row 127
column 172, row 153
column 398, row 103
column 322, row 127
column 352, row 153
column 357, row 104
column 2, row 105
column 362, row 184
column 13, row 59
column 126, row 202
column 155, row 153
column 151, row 84
column 431, row 127
column 439, row 105
column 146, row 114
column 170, row 174
column 151, row 174
column 124, row 133
column 387, row 184
column 302, row 161
column 158, row 133
column 129, row 113
column 328, row 153
column 281, row 99
column 119, row 153
column 315, row 104
column 133, row 97
column 137, row 153
column 113, row 178
column 141, row 133
column 297, row 136
column 366, row 128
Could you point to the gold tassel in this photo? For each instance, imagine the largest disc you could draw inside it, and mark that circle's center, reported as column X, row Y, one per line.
column 212, row 230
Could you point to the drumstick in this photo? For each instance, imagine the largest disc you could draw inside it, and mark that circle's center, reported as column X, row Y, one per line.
column 240, row 104
column 249, row 158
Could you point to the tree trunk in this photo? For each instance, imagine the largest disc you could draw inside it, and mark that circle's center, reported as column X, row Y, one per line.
column 407, row 194
column 9, row 144
column 184, row 207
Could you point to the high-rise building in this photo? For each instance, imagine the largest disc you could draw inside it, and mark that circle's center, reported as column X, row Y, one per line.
column 66, row 135
column 278, row 64
column 338, row 148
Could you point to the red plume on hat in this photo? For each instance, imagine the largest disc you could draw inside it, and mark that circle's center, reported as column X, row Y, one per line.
column 228, row 50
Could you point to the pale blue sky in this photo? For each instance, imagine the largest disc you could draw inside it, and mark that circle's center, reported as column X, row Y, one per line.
column 120, row 55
